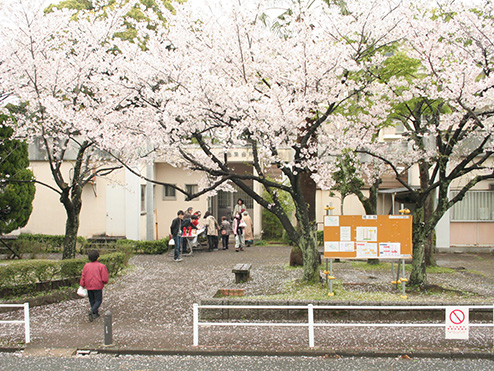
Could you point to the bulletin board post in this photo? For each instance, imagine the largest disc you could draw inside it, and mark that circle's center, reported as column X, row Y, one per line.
column 387, row 237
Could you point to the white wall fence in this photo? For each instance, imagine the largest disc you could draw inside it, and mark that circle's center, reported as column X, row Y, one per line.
column 25, row 321
column 311, row 324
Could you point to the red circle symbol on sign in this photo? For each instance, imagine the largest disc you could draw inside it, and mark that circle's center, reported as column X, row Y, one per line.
column 457, row 316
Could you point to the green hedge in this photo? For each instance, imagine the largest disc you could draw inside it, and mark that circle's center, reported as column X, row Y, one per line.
column 35, row 244
column 50, row 243
column 144, row 247
column 30, row 272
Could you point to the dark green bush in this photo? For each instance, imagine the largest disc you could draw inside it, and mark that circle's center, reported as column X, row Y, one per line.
column 114, row 262
column 150, row 247
column 29, row 272
column 320, row 238
column 48, row 243
column 71, row 267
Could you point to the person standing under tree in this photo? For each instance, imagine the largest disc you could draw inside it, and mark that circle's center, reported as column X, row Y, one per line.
column 212, row 231
column 238, row 231
column 176, row 231
column 94, row 277
column 239, row 207
column 225, row 232
column 249, row 236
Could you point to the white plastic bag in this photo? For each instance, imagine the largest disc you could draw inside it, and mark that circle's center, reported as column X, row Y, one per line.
column 171, row 242
column 81, row 291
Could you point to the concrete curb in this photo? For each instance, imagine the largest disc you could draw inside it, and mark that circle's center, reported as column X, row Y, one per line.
column 290, row 353
column 302, row 352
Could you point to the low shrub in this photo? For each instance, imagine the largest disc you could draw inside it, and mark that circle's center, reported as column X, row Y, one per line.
column 49, row 243
column 115, row 262
column 27, row 273
column 320, row 238
column 146, row 247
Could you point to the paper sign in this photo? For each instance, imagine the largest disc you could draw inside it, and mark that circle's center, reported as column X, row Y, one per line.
column 457, row 323
column 367, row 234
column 390, row 250
column 347, row 246
column 345, row 233
column 332, row 246
column 331, row 221
column 366, row 250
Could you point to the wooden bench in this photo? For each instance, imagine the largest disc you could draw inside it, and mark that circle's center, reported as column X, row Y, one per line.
column 242, row 272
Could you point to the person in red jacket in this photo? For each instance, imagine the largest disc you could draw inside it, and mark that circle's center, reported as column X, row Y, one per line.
column 93, row 278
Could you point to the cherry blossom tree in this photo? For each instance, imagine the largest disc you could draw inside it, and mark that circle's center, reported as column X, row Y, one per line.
column 212, row 82
column 52, row 65
column 446, row 106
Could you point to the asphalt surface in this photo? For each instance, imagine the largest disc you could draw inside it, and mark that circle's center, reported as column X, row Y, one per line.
column 152, row 313
column 224, row 363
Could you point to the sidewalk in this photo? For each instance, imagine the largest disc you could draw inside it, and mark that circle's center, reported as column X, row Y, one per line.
column 152, row 311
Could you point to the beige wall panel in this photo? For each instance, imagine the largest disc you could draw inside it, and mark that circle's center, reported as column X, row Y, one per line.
column 48, row 216
column 472, row 234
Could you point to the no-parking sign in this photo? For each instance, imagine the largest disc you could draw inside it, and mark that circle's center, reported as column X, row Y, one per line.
column 457, row 323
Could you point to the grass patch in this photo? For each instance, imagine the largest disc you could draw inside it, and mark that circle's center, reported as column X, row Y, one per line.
column 385, row 266
column 439, row 270
column 296, row 290
column 289, row 267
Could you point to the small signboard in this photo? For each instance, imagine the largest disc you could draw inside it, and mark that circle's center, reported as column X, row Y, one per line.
column 457, row 323
column 368, row 236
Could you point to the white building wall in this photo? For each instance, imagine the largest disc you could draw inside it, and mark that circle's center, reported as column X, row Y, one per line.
column 132, row 206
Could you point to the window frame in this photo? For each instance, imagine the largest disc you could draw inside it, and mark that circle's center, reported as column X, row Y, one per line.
column 166, row 197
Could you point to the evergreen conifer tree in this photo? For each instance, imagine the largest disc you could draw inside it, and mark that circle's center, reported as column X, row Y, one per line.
column 16, row 189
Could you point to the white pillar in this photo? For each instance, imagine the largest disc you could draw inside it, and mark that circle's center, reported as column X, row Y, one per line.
column 150, row 227
column 132, row 206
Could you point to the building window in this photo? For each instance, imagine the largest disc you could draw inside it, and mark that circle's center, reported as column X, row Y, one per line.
column 169, row 193
column 143, row 198
column 224, row 200
column 191, row 189
column 476, row 206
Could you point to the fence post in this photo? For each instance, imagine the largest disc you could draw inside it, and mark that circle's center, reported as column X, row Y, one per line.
column 27, row 323
column 108, row 328
column 195, row 315
column 310, row 309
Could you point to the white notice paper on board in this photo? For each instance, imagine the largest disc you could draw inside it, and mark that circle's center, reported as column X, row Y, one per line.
column 389, row 250
column 367, row 234
column 366, row 250
column 347, row 246
column 331, row 221
column 345, row 233
column 331, row 246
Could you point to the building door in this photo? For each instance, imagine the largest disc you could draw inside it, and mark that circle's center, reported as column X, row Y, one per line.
column 226, row 202
column 115, row 210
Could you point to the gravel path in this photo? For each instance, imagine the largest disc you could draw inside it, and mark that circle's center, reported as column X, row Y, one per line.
column 152, row 308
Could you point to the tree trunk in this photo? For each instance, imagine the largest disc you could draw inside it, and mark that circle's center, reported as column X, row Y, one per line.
column 72, row 207
column 418, row 277
column 310, row 253
column 429, row 259
column 305, row 208
column 70, row 240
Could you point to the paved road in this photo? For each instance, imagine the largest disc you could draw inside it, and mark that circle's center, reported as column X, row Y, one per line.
column 219, row 363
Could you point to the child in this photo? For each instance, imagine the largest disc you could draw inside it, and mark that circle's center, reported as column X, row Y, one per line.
column 225, row 232
column 93, row 278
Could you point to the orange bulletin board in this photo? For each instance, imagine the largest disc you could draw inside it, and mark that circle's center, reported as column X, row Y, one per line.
column 368, row 236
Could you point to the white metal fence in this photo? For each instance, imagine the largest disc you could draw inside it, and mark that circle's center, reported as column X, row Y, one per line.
column 311, row 324
column 26, row 321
